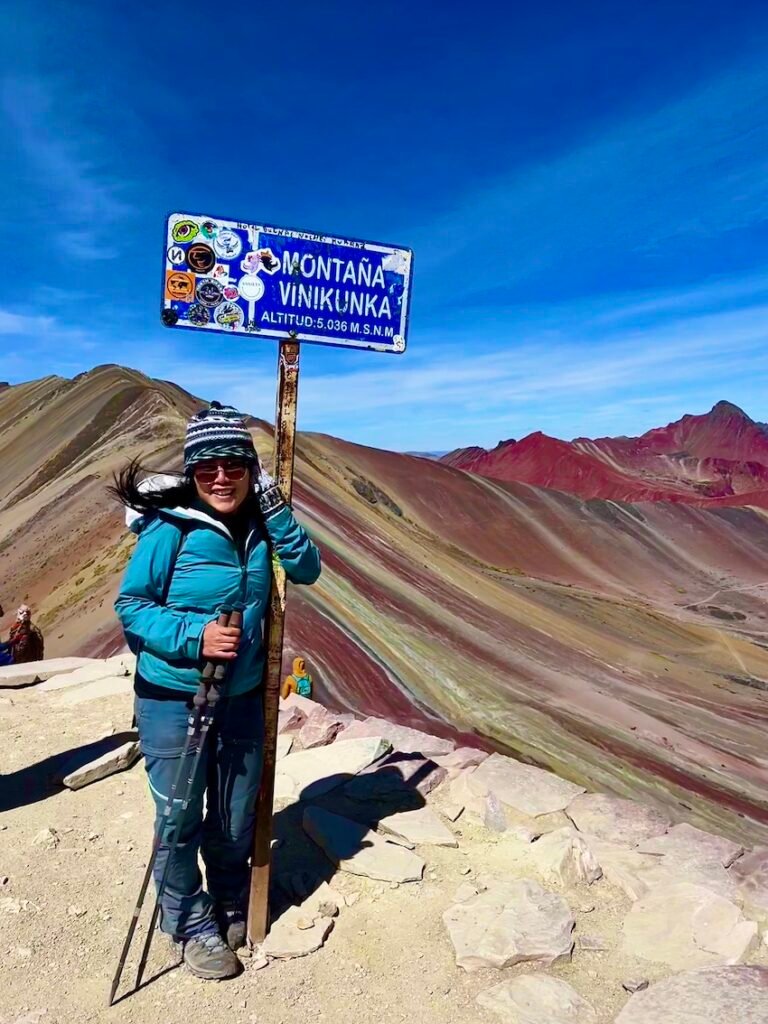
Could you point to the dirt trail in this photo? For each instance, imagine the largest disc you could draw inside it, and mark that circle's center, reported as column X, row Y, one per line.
column 64, row 910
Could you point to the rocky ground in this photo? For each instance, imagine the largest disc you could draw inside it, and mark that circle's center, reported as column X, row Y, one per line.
column 412, row 882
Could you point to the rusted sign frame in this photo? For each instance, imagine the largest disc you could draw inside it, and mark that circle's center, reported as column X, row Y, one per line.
column 285, row 441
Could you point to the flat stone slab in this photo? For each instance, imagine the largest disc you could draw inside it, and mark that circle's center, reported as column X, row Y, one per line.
column 422, row 827
column 38, row 671
column 108, row 764
column 284, row 744
column 638, row 873
column 686, row 844
column 289, row 937
column 355, row 848
column 618, row 821
column 290, row 720
column 565, row 857
column 750, row 873
column 396, row 777
column 96, row 690
column 321, row 727
column 403, row 739
column 119, row 665
column 510, row 923
column 528, row 790
column 310, row 773
column 537, row 999
column 720, row 995
column 686, row 926
column 303, row 704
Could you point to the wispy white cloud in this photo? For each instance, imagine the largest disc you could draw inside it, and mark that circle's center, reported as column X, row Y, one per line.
column 82, row 202
column 569, row 380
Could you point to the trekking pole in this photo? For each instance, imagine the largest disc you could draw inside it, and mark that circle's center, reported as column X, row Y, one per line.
column 193, row 728
column 206, row 699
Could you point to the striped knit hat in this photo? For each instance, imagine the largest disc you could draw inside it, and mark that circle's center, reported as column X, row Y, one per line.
column 218, row 433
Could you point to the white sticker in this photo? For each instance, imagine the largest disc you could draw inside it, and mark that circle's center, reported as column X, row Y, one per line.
column 251, row 287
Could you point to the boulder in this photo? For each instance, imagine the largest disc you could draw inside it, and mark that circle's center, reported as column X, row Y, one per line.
column 529, row 791
column 750, row 873
column 686, row 926
column 403, row 739
column 618, row 821
column 396, row 778
column 510, row 923
column 685, row 845
column 12, row 676
column 113, row 761
column 422, row 827
column 719, row 995
column 537, row 999
column 310, row 773
column 355, row 848
column 565, row 857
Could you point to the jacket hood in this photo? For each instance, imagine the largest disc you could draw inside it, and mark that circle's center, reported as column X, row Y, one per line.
column 299, row 667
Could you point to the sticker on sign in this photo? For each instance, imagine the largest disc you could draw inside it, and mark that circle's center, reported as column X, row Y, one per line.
column 274, row 282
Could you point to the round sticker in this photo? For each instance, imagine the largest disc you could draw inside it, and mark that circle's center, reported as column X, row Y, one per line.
column 251, row 287
column 230, row 292
column 198, row 315
column 200, row 258
column 176, row 255
column 229, row 314
column 227, row 244
column 184, row 231
column 209, row 292
column 179, row 285
column 208, row 229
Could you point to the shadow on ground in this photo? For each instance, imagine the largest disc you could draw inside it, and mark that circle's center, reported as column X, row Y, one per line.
column 40, row 780
column 299, row 865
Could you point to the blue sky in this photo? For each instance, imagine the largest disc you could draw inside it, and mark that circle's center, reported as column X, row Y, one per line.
column 585, row 187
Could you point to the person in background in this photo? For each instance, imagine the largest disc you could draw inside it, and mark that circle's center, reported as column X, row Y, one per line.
column 206, row 542
column 6, row 657
column 25, row 640
column 300, row 681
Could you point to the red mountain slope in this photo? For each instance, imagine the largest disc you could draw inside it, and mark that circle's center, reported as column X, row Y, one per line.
column 720, row 457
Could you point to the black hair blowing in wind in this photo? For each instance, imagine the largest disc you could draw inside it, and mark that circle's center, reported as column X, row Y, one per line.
column 127, row 491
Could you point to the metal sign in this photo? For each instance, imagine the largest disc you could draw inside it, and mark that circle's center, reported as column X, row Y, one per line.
column 253, row 279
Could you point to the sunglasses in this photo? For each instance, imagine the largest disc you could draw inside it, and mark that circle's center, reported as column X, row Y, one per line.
column 209, row 474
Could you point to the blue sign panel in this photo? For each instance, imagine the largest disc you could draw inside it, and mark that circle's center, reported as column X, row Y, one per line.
column 222, row 275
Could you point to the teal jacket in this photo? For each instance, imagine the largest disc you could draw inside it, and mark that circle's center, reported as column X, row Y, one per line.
column 185, row 568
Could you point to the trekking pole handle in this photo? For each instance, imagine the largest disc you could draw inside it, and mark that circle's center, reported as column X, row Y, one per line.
column 236, row 621
column 212, row 669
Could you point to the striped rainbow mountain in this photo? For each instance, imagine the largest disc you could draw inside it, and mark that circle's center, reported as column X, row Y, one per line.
column 616, row 634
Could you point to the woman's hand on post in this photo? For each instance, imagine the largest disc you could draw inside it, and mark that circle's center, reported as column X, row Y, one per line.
column 220, row 643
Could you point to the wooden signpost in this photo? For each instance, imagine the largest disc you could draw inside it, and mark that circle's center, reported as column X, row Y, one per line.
column 259, row 281
column 285, row 438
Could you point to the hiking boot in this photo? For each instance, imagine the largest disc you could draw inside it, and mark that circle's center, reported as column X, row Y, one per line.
column 209, row 957
column 233, row 927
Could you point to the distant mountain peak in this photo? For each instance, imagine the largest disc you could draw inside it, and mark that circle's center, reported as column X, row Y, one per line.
column 727, row 410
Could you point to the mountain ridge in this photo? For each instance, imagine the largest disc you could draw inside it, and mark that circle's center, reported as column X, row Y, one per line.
column 619, row 645
column 715, row 457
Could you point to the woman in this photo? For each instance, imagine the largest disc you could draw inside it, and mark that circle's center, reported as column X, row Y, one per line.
column 206, row 543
